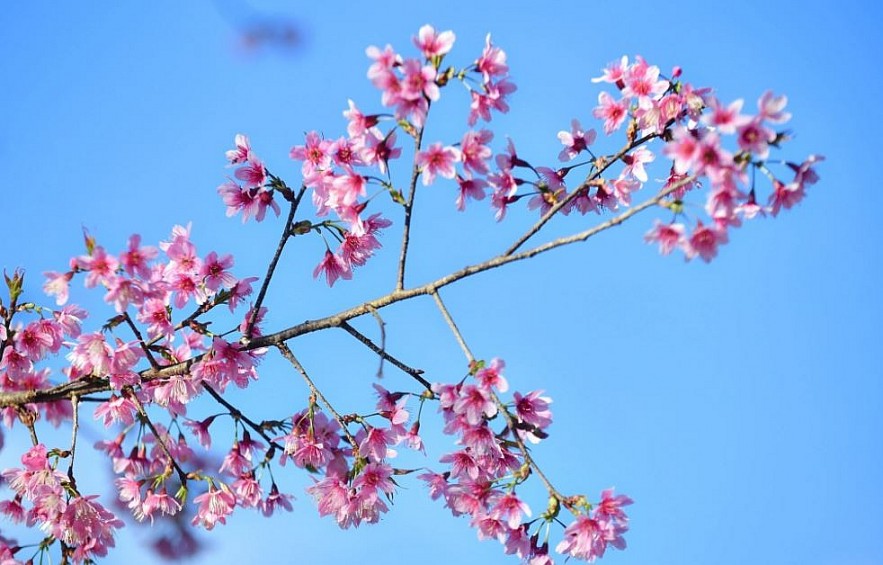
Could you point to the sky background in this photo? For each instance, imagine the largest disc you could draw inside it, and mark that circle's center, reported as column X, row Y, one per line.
column 739, row 403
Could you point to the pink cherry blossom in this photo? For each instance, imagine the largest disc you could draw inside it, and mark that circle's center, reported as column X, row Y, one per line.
column 58, row 285
column 252, row 173
column 92, row 354
column 610, row 506
column 785, row 196
column 668, row 236
column 492, row 62
column 437, row 160
column 117, row 409
column 475, row 403
column 491, row 376
column 725, row 119
column 469, row 188
column 772, row 108
column 704, row 242
column 314, row 153
column 252, row 202
column 136, row 258
column 583, row 539
column 474, row 150
column 275, row 500
column 359, row 124
column 754, row 137
column 635, row 161
column 241, row 152
column 100, row 265
column 214, row 272
column 418, row 81
column 378, row 150
column 88, row 527
column 434, row 44
column 643, row 80
column 214, row 506
column 384, row 62
column 161, row 502
column 334, row 267
column 533, row 409
column 612, row 112
column 575, row 141
column 510, row 508
column 614, row 73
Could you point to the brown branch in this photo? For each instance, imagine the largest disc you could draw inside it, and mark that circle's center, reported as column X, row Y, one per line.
column 453, row 326
column 427, row 289
column 93, row 385
column 412, row 372
column 75, row 429
column 237, row 414
column 510, row 421
column 381, row 325
column 182, row 476
column 409, row 206
column 140, row 338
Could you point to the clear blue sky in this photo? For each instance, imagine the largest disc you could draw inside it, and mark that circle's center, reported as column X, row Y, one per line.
column 739, row 403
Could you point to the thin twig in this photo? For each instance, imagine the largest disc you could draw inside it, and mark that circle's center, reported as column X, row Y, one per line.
column 409, row 205
column 453, row 326
column 608, row 161
column 27, row 417
column 140, row 338
column 182, row 476
column 510, row 421
column 88, row 386
column 398, row 296
column 381, row 325
column 75, row 428
column 236, row 413
column 271, row 268
column 525, row 452
column 286, row 352
column 412, row 372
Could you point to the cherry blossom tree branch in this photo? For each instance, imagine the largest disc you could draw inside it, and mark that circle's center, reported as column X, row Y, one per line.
column 510, row 421
column 381, row 325
column 409, row 206
column 75, row 429
column 271, row 268
column 453, row 325
column 601, row 166
column 182, row 476
column 316, row 393
column 144, row 347
column 94, row 385
column 237, row 414
column 410, row 371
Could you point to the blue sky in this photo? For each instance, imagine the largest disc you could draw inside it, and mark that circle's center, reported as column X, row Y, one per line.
column 738, row 403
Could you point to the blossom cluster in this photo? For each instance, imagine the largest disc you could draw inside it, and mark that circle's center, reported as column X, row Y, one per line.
column 340, row 171
column 688, row 119
column 46, row 497
column 358, row 480
column 694, row 123
column 250, row 193
column 482, row 477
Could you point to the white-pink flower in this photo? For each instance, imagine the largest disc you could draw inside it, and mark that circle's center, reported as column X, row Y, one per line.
column 437, row 160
